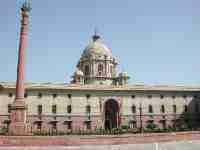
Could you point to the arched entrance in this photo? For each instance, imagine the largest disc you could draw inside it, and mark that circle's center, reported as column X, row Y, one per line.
column 111, row 114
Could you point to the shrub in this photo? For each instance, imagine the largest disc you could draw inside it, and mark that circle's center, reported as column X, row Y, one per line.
column 3, row 130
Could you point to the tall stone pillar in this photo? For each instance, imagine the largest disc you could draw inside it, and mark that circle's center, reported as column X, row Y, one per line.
column 19, row 124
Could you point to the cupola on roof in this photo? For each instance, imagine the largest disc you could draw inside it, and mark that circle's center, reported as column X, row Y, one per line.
column 96, row 47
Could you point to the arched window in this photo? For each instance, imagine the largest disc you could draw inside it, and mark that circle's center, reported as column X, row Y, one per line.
column 87, row 70
column 150, row 109
column 100, row 69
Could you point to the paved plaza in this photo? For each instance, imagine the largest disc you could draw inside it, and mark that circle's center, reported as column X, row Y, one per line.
column 180, row 145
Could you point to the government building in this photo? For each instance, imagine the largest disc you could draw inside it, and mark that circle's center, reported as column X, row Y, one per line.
column 100, row 97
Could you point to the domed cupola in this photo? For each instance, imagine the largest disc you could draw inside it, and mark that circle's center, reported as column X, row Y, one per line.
column 97, row 63
column 96, row 48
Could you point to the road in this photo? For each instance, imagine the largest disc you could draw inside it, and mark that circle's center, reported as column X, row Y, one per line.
column 180, row 145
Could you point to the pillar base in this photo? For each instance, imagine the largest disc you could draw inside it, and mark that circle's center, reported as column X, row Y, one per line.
column 19, row 125
column 19, row 129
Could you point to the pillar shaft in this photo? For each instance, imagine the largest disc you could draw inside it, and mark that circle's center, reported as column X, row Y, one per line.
column 21, row 57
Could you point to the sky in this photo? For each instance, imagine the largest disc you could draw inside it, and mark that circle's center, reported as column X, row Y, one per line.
column 156, row 41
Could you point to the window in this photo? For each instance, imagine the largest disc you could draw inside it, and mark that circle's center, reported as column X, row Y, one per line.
column 39, row 109
column 150, row 96
column 195, row 96
column 173, row 96
column 39, row 95
column 25, row 95
column 133, row 109
column 54, row 109
column 133, row 96
column 69, row 96
column 163, row 123
column 163, row 109
column 87, row 70
column 69, row 125
column 100, row 69
column 88, row 96
column 196, row 108
column 10, row 95
column 161, row 96
column 88, row 125
column 9, row 108
column 69, row 109
column 88, row 109
column 185, row 108
column 54, row 95
column 149, row 122
column 150, row 109
column 185, row 96
column 174, row 108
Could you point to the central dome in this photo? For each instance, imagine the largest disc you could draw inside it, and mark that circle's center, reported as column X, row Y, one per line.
column 96, row 47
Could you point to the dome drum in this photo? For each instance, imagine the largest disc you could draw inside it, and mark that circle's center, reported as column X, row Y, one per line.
column 97, row 65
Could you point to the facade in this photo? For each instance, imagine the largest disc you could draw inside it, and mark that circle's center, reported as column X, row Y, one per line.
column 65, row 107
column 97, row 97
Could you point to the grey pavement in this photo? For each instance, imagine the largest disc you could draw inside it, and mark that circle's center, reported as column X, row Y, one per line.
column 180, row 145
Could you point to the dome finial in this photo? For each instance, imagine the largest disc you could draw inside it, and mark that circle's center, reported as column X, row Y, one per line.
column 95, row 37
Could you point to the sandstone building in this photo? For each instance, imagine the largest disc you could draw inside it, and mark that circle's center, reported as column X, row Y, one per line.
column 100, row 97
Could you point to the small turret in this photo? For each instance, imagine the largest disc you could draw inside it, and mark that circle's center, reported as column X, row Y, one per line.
column 123, row 78
column 78, row 77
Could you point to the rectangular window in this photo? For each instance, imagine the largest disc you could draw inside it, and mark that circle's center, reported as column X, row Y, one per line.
column 9, row 108
column 133, row 109
column 174, row 108
column 69, row 125
column 88, row 109
column 163, row 122
column 54, row 109
column 150, row 109
column 39, row 109
column 88, row 125
column 69, row 109
column 185, row 108
column 163, row 109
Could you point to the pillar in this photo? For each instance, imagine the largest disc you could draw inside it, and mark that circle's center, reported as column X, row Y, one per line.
column 19, row 124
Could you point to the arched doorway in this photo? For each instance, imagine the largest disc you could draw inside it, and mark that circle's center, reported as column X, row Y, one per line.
column 111, row 114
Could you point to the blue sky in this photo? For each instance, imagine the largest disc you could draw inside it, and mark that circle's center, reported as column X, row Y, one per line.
column 156, row 42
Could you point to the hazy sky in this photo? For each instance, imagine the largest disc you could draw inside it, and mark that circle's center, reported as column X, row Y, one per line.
column 156, row 41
